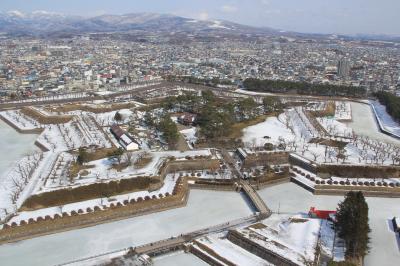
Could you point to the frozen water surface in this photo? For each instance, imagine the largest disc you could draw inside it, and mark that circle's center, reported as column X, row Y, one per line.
column 13, row 146
column 364, row 123
column 385, row 251
column 204, row 208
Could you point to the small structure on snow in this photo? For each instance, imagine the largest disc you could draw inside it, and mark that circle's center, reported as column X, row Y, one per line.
column 126, row 141
column 187, row 119
column 396, row 224
column 322, row 214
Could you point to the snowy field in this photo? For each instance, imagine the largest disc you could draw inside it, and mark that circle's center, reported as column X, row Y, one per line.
column 343, row 111
column 219, row 244
column 179, row 258
column 386, row 120
column 385, row 251
column 292, row 237
column 271, row 127
column 205, row 208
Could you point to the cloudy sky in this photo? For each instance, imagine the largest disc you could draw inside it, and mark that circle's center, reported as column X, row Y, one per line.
column 320, row 16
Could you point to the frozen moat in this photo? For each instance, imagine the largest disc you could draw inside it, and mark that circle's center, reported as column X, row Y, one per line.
column 13, row 146
column 204, row 208
column 364, row 123
column 385, row 250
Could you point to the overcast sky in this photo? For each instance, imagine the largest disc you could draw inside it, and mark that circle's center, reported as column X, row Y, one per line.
column 319, row 16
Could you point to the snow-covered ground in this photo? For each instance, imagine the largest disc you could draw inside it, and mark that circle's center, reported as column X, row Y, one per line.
column 219, row 244
column 343, row 111
column 295, row 130
column 204, row 208
column 292, row 237
column 190, row 135
column 385, row 119
column 179, row 258
column 271, row 127
column 335, row 128
column 385, row 249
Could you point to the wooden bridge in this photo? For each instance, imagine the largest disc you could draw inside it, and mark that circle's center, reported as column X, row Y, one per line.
column 166, row 245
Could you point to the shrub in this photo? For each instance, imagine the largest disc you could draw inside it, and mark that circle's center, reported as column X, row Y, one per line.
column 354, row 183
column 341, row 182
column 139, row 199
column 74, row 213
column 385, row 184
column 323, row 182
column 379, row 183
column 335, row 182
column 147, row 198
column 154, row 197
column 119, row 204
column 57, row 216
column 372, row 183
column 80, row 211
column 318, row 182
column 40, row 219
column 23, row 222
column 14, row 224
column 126, row 202
column 88, row 210
column 329, row 182
column 132, row 201
column 160, row 195
column 391, row 184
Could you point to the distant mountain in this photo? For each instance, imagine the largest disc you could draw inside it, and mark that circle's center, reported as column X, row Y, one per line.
column 44, row 23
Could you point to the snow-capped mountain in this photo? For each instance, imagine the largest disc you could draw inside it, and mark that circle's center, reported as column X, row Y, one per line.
column 43, row 22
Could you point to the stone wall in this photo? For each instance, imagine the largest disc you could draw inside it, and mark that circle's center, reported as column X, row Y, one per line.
column 258, row 250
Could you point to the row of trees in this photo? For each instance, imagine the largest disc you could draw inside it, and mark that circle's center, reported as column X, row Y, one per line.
column 392, row 103
column 280, row 86
column 193, row 80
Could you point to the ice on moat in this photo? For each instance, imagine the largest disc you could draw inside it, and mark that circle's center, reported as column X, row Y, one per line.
column 385, row 119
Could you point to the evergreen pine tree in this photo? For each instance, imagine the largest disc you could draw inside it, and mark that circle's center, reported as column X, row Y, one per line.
column 352, row 224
